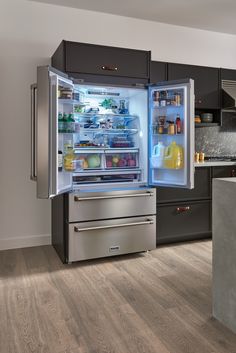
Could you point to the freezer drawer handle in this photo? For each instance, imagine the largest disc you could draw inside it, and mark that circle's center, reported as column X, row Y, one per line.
column 148, row 221
column 77, row 198
column 33, row 89
column 183, row 209
column 109, row 68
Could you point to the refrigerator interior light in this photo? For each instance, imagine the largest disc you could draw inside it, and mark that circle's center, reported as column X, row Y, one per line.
column 103, row 93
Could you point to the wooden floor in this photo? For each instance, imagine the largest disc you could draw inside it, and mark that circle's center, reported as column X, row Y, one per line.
column 157, row 302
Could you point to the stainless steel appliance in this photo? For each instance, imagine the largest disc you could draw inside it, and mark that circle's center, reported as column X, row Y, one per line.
column 96, row 152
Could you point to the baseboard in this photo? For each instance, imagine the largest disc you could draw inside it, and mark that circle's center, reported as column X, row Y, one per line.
column 25, row 242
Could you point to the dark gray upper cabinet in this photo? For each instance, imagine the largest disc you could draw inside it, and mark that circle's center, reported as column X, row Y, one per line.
column 206, row 81
column 228, row 74
column 82, row 58
column 158, row 71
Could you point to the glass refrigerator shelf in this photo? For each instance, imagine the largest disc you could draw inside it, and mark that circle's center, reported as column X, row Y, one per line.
column 110, row 131
column 68, row 101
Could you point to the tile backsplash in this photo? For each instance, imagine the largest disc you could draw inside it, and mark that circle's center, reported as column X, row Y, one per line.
column 218, row 140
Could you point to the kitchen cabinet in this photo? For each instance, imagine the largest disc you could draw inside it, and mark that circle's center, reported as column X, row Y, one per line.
column 90, row 61
column 185, row 214
column 206, row 80
column 158, row 71
column 183, row 221
column 228, row 74
column 202, row 189
column 224, row 172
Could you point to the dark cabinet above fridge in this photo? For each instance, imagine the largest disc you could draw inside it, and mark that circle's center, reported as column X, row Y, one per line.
column 158, row 71
column 206, row 83
column 92, row 62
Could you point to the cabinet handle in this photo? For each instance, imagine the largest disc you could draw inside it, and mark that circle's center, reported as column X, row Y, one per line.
column 233, row 173
column 148, row 221
column 199, row 101
column 108, row 197
column 182, row 209
column 109, row 68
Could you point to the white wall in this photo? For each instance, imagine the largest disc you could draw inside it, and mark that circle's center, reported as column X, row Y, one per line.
column 29, row 34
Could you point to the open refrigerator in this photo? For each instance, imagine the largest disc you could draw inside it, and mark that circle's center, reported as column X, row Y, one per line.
column 110, row 146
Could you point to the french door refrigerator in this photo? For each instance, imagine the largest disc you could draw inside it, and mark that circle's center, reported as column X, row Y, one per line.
column 100, row 150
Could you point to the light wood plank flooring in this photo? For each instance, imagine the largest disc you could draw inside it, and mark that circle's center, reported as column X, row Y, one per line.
column 156, row 302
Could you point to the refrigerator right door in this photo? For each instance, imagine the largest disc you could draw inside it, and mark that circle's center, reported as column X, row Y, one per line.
column 171, row 134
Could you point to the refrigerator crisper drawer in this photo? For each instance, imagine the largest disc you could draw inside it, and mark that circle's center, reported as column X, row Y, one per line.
column 90, row 240
column 85, row 206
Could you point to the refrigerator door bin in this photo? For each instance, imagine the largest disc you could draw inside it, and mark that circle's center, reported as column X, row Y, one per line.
column 87, row 206
column 111, row 237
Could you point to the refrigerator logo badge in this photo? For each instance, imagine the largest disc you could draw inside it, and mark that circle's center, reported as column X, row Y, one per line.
column 114, row 248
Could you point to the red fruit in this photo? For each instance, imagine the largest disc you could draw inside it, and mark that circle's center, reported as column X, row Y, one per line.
column 131, row 163
column 109, row 164
column 121, row 163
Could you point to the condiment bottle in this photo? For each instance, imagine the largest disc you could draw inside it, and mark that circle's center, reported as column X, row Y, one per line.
column 171, row 128
column 201, row 157
column 196, row 158
column 70, row 159
column 178, row 124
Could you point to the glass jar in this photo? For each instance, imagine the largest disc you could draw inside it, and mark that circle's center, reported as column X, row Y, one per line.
column 171, row 128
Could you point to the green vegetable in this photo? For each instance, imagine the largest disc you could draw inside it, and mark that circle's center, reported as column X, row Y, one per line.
column 93, row 161
column 108, row 103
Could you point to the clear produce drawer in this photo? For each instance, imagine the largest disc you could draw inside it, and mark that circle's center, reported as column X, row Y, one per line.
column 122, row 159
column 88, row 161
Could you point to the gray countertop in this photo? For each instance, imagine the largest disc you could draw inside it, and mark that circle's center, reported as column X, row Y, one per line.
column 229, row 180
column 215, row 163
column 224, row 250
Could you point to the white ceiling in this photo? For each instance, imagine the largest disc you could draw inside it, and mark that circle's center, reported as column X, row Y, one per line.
column 213, row 15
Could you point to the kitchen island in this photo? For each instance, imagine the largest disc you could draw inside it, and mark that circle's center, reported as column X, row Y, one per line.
column 224, row 251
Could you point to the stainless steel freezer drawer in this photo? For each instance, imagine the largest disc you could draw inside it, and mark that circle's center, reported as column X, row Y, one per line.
column 87, row 206
column 95, row 239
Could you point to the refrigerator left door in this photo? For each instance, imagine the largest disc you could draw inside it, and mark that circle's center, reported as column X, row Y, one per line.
column 51, row 177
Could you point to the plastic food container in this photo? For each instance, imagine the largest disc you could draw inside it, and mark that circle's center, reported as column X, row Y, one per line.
column 207, row 117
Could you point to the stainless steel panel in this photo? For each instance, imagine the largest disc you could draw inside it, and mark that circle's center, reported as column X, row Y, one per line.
column 86, row 206
column 111, row 237
column 43, row 133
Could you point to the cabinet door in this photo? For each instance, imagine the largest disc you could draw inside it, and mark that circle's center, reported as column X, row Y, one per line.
column 102, row 60
column 202, row 189
column 224, row 172
column 206, row 83
column 227, row 74
column 183, row 221
column 158, row 71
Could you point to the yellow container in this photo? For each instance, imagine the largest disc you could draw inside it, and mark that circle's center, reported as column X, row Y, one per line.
column 70, row 160
column 174, row 156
